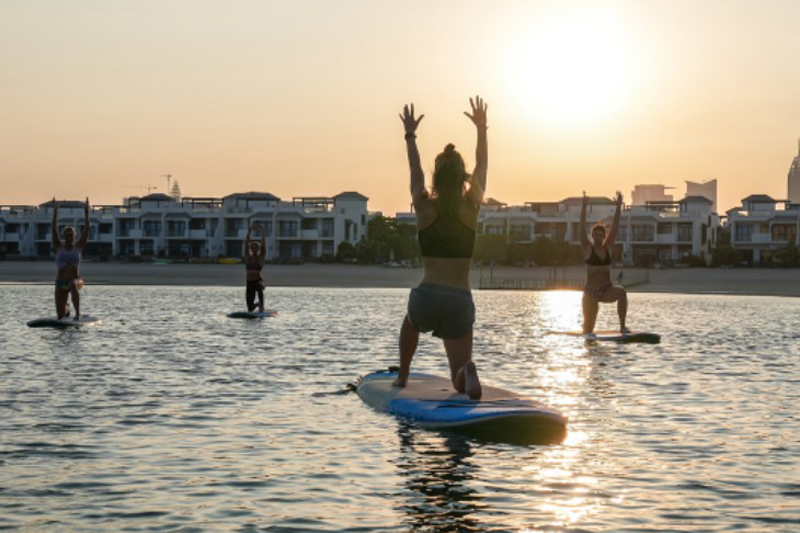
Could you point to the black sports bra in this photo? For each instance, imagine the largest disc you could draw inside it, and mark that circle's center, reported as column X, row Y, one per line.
column 447, row 236
column 595, row 260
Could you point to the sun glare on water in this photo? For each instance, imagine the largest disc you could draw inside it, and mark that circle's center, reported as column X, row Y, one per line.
column 572, row 69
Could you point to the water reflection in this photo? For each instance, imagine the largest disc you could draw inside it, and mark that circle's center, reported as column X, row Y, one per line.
column 436, row 469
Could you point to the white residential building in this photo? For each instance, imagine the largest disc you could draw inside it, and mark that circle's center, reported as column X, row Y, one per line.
column 762, row 225
column 157, row 224
column 656, row 232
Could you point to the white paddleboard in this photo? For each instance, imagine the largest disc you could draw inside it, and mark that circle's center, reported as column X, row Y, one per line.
column 244, row 314
column 431, row 402
column 615, row 336
column 66, row 322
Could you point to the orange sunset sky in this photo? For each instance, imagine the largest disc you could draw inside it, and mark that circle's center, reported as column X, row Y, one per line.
column 300, row 97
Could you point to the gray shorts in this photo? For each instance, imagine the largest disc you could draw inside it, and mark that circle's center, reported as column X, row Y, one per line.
column 446, row 311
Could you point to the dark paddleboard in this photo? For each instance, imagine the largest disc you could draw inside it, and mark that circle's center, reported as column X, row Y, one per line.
column 67, row 322
column 244, row 314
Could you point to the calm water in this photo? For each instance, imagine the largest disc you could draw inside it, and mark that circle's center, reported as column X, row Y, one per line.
column 171, row 417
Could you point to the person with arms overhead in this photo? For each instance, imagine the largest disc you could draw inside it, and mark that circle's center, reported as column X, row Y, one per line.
column 254, row 259
column 447, row 219
column 68, row 259
column 597, row 256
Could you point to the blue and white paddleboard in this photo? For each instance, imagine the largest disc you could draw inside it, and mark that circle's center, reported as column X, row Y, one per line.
column 244, row 314
column 616, row 336
column 66, row 322
column 431, row 402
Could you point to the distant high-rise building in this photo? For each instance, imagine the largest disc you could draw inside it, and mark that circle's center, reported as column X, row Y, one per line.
column 175, row 193
column 650, row 193
column 706, row 189
column 794, row 178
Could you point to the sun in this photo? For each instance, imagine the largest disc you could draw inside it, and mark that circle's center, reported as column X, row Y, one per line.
column 572, row 69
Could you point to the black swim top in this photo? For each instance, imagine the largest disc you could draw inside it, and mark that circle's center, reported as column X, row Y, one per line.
column 595, row 260
column 447, row 236
column 253, row 264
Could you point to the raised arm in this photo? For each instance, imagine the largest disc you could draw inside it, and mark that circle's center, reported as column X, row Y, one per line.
column 612, row 234
column 478, row 117
column 585, row 244
column 247, row 240
column 54, row 226
column 87, row 226
column 410, row 124
column 263, row 251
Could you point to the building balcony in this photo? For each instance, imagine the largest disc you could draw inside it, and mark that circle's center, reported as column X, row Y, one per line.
column 235, row 233
column 199, row 234
column 666, row 238
column 309, row 234
column 130, row 234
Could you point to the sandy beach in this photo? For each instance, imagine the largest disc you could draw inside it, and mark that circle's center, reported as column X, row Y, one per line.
column 749, row 281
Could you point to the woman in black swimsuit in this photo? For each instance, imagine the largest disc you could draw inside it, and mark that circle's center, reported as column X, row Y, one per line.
column 447, row 218
column 255, row 256
column 597, row 255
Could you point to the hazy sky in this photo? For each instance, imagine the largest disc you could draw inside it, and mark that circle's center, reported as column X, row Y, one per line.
column 300, row 97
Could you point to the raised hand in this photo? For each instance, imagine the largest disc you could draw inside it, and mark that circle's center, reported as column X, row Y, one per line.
column 86, row 207
column 409, row 122
column 478, row 115
column 619, row 198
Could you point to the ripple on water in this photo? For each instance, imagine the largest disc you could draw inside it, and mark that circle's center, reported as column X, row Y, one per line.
column 171, row 417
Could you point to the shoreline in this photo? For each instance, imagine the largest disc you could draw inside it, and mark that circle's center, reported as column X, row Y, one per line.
column 710, row 281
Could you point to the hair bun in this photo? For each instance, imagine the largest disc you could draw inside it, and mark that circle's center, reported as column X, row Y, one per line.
column 450, row 148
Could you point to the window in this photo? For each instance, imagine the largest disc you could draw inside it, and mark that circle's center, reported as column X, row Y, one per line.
column 664, row 228
column 744, row 232
column 176, row 228
column 151, row 228
column 520, row 232
column 327, row 228
column 784, row 232
column 494, row 230
column 287, row 228
column 106, row 229
column 233, row 226
column 685, row 232
column 642, row 232
column 309, row 223
column 197, row 223
column 126, row 225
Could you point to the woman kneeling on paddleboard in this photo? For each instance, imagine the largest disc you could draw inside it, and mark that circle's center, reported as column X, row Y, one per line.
column 255, row 256
column 597, row 256
column 447, row 219
column 68, row 259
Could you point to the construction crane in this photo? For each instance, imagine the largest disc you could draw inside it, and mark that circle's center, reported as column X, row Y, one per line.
column 169, row 177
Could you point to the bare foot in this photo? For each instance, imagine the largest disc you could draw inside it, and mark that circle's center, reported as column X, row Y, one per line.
column 400, row 382
column 472, row 384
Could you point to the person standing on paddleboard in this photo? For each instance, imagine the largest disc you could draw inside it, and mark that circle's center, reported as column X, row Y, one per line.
column 597, row 256
column 254, row 259
column 447, row 218
column 68, row 259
